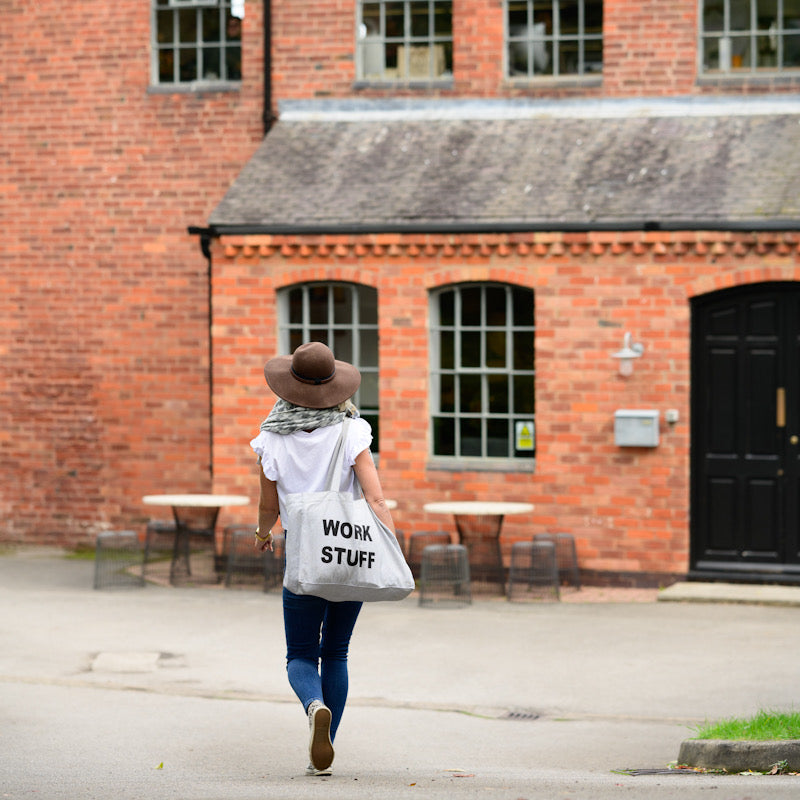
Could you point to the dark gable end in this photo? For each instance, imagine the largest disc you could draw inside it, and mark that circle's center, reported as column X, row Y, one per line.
column 623, row 172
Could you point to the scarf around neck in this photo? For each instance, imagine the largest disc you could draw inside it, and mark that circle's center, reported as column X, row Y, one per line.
column 287, row 418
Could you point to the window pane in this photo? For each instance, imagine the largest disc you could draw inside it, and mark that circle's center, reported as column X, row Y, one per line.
column 319, row 335
column 369, row 349
column 164, row 21
column 470, row 393
column 523, row 350
column 188, row 65
column 395, row 26
column 318, row 305
column 443, row 19
column 447, row 393
column 568, row 17
column 523, row 394
column 368, row 391
column 470, row 430
column 517, row 18
column 295, row 306
column 444, row 436
column 593, row 56
column 766, row 14
column 367, row 306
column 233, row 61
column 166, row 66
column 187, row 25
column 470, row 349
column 495, row 306
column 497, row 438
column 740, row 52
column 713, row 15
column 419, row 19
column 342, row 305
column 343, row 346
column 471, row 306
column 447, row 313
column 371, row 18
column 791, row 51
column 740, row 15
column 496, row 349
column 212, row 59
column 447, row 355
column 498, row 394
column 523, row 307
column 593, row 16
column 211, row 29
column 296, row 338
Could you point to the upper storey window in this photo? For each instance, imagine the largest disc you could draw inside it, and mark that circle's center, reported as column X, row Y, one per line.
column 740, row 36
column 196, row 41
column 552, row 38
column 405, row 41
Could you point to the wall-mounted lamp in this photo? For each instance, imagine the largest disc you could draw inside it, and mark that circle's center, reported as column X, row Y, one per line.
column 629, row 353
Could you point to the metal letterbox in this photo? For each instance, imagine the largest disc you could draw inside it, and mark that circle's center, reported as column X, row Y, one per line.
column 636, row 427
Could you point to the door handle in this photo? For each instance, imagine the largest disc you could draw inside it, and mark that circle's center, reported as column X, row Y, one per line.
column 780, row 407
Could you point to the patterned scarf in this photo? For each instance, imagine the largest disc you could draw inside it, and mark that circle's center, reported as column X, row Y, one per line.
column 286, row 417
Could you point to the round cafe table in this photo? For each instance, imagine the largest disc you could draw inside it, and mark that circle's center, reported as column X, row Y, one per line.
column 195, row 517
column 479, row 523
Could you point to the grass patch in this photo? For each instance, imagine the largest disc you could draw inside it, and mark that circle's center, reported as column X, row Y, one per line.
column 764, row 726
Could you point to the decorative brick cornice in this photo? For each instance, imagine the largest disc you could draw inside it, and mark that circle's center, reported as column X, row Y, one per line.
column 709, row 245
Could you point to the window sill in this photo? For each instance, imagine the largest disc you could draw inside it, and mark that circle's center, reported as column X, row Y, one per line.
column 791, row 78
column 447, row 464
column 550, row 82
column 441, row 83
column 195, row 87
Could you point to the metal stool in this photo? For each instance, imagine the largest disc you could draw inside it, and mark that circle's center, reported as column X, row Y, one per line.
column 118, row 560
column 445, row 575
column 417, row 542
column 533, row 571
column 159, row 542
column 246, row 566
column 566, row 556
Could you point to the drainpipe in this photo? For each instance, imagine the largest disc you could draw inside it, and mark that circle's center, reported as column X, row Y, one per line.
column 206, row 234
column 266, row 115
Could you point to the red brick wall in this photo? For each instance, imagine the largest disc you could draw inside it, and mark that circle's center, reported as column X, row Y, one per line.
column 103, row 295
column 650, row 48
column 628, row 508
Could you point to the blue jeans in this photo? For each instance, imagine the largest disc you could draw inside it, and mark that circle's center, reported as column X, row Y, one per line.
column 317, row 640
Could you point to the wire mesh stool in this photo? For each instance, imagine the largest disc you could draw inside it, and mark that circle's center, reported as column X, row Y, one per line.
column 195, row 538
column 445, row 578
column 533, row 571
column 159, row 542
column 417, row 542
column 247, row 566
column 118, row 560
column 566, row 556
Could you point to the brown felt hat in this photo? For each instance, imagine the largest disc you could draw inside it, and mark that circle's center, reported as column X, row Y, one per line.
column 311, row 377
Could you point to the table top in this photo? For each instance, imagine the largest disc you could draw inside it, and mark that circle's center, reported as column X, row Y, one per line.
column 196, row 500
column 477, row 507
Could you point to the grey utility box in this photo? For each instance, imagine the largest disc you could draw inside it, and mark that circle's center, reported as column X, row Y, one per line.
column 636, row 427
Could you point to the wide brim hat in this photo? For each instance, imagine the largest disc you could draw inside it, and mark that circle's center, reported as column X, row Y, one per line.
column 311, row 377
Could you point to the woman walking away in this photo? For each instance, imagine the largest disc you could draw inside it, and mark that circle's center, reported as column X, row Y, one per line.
column 294, row 447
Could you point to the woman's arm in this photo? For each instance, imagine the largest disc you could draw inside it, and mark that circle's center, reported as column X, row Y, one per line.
column 371, row 486
column 268, row 508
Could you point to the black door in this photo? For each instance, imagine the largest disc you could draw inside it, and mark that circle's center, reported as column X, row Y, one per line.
column 745, row 426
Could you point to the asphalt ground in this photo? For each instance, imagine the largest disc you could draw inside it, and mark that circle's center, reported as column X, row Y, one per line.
column 161, row 692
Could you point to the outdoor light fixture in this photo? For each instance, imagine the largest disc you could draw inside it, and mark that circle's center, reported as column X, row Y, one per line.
column 629, row 353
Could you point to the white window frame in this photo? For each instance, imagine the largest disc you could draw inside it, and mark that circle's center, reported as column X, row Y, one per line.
column 371, row 46
column 517, row 457
column 535, row 41
column 738, row 38
column 292, row 333
column 198, row 46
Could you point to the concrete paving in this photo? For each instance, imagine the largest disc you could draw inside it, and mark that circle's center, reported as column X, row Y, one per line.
column 161, row 692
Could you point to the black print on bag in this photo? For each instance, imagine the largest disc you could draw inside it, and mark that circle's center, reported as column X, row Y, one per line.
column 354, row 558
column 332, row 527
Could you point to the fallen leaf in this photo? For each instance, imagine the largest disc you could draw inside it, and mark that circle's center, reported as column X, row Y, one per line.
column 160, row 766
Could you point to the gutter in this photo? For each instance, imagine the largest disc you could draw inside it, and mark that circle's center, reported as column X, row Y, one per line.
column 542, row 226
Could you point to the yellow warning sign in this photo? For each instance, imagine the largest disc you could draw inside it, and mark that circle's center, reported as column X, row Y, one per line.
column 525, row 438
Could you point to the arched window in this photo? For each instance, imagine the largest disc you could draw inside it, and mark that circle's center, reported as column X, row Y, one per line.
column 482, row 372
column 345, row 317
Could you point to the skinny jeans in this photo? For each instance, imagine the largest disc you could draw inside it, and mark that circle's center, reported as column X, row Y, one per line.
column 318, row 635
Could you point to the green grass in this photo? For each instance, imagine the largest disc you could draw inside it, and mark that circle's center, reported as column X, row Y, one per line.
column 764, row 726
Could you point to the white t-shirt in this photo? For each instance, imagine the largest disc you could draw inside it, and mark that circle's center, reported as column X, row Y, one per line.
column 298, row 462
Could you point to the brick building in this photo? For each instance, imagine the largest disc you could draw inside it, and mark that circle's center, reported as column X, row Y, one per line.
column 474, row 201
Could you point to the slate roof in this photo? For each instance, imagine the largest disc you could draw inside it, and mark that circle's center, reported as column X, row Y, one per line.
column 326, row 171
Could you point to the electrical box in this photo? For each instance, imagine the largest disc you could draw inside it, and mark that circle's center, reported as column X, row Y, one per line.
column 636, row 428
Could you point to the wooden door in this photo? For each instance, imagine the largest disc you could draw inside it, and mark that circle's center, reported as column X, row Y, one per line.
column 745, row 428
